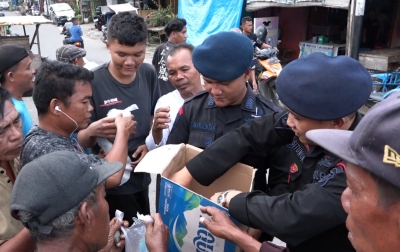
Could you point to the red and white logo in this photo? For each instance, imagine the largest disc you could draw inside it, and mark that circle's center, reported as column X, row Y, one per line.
column 294, row 168
column 110, row 102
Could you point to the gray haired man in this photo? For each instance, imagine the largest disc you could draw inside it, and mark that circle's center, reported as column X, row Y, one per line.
column 60, row 199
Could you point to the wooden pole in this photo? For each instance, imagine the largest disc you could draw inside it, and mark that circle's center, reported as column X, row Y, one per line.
column 354, row 28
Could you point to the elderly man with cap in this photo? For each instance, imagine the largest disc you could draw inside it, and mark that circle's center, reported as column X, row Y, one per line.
column 320, row 92
column 227, row 103
column 71, row 54
column 13, row 235
column 60, row 199
column 372, row 196
column 17, row 76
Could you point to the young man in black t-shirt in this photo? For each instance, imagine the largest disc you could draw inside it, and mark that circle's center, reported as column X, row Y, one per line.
column 176, row 33
column 124, row 81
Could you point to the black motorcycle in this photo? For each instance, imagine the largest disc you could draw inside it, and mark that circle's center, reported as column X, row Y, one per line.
column 99, row 19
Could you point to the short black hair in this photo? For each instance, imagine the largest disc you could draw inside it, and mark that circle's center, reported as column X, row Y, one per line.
column 4, row 74
column 56, row 79
column 388, row 194
column 176, row 24
column 246, row 19
column 177, row 47
column 4, row 96
column 127, row 28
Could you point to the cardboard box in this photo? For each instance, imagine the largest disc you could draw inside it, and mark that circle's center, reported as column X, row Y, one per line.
column 180, row 207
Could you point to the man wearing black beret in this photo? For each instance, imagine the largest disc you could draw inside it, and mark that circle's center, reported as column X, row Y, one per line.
column 320, row 92
column 226, row 103
column 16, row 76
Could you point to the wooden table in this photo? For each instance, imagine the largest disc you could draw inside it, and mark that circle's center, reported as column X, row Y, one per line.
column 380, row 59
column 158, row 30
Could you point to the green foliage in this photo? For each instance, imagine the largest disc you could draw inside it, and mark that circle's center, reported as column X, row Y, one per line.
column 160, row 17
column 75, row 7
column 79, row 17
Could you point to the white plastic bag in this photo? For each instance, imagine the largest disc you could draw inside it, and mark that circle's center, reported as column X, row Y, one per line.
column 135, row 234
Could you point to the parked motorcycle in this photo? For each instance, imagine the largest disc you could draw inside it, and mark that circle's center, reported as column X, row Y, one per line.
column 271, row 67
column 99, row 20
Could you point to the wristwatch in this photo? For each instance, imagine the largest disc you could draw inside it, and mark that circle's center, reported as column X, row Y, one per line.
column 221, row 200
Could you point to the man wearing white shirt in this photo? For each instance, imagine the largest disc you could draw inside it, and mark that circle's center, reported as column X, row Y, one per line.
column 186, row 79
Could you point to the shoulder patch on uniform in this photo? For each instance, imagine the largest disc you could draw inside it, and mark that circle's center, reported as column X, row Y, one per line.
column 180, row 111
column 210, row 101
column 249, row 102
column 198, row 95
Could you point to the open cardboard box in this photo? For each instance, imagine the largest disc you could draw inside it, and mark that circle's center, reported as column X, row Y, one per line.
column 180, row 207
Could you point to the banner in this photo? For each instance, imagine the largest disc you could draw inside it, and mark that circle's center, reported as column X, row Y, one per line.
column 208, row 17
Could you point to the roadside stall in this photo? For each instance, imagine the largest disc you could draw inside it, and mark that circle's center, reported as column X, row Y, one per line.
column 24, row 39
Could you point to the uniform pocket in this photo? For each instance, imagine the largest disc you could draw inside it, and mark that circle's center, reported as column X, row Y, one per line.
column 201, row 139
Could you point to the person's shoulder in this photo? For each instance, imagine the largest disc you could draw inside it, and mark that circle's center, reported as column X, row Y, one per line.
column 267, row 103
column 199, row 97
column 99, row 69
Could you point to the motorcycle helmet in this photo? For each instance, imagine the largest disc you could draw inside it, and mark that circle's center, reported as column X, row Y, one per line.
column 261, row 32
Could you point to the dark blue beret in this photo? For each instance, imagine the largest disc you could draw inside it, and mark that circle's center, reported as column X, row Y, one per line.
column 322, row 88
column 223, row 56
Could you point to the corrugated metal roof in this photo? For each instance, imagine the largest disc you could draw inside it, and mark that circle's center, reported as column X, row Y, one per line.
column 23, row 20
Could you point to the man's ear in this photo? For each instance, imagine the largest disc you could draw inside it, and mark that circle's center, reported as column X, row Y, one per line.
column 247, row 74
column 338, row 123
column 85, row 216
column 10, row 76
column 53, row 104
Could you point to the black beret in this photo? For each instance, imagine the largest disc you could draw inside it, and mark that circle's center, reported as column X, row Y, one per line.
column 322, row 88
column 11, row 55
column 223, row 56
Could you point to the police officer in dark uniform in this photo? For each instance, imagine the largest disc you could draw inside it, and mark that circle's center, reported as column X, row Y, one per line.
column 319, row 92
column 223, row 59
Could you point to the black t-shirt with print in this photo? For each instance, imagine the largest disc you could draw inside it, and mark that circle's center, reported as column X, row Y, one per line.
column 159, row 61
column 108, row 94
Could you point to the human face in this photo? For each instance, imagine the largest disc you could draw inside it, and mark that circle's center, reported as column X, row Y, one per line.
column 183, row 74
column 300, row 125
column 11, row 139
column 24, row 75
column 372, row 227
column 179, row 36
column 229, row 92
column 101, row 225
column 79, row 106
column 126, row 59
column 247, row 27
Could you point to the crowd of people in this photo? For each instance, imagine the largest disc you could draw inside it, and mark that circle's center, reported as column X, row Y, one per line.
column 333, row 180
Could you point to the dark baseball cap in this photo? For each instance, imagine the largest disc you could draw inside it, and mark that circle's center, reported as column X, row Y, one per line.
column 374, row 145
column 53, row 184
column 11, row 55
column 324, row 88
column 68, row 53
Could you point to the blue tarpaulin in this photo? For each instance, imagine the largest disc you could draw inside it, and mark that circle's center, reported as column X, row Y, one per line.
column 206, row 17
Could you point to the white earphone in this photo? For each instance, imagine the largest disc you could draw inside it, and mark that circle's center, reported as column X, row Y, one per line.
column 57, row 108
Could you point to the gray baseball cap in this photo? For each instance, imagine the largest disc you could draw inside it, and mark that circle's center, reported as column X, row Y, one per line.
column 374, row 144
column 53, row 184
column 67, row 53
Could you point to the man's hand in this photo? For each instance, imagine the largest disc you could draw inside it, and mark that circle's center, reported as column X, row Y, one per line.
column 126, row 123
column 156, row 235
column 228, row 197
column 141, row 151
column 104, row 128
column 220, row 225
column 111, row 246
column 182, row 177
column 161, row 118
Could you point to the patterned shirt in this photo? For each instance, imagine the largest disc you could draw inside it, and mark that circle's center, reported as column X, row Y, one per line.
column 39, row 142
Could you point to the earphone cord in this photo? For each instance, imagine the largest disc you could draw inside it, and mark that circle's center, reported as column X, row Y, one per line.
column 77, row 144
